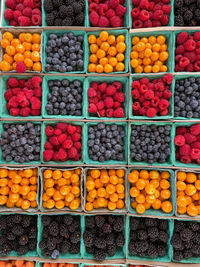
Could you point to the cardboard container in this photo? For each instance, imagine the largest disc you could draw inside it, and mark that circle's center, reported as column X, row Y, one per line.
column 172, row 199
column 61, row 256
column 46, row 91
column 125, row 89
column 175, row 161
column 157, row 117
column 42, row 191
column 16, row 32
column 106, row 210
column 2, row 160
column 126, row 52
column 109, row 162
column 44, row 139
column 170, row 46
column 30, row 254
column 170, row 159
column 4, row 113
column 15, row 209
column 60, row 33
column 120, row 254
column 166, row 258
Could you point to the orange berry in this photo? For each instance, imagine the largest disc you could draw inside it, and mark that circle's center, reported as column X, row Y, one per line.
column 134, row 63
column 150, row 199
column 148, row 69
column 161, row 39
column 92, row 39
column 121, row 47
column 57, row 174
column 20, row 48
column 5, row 66
column 90, row 185
column 140, row 198
column 37, row 67
column 181, row 176
column 113, row 61
column 48, row 174
column 120, row 66
column 190, row 190
column 134, row 192
column 101, row 202
column 120, row 188
column 112, row 205
column 49, row 183
column 5, row 43
column 101, row 192
column 149, row 189
column 3, row 200
column 165, row 175
column 3, row 173
column 157, row 204
column 164, row 184
column 59, row 204
column 139, row 69
column 181, row 186
column 156, row 47
column 140, row 46
column 50, row 204
column 108, row 68
column 140, row 184
column 8, row 58
column 75, row 178
column 181, row 210
column 25, row 204
column 165, row 194
column 197, row 184
column 103, row 61
column 103, row 36
column 110, row 189
column 15, row 188
column 74, row 204
column 99, row 68
column 50, row 191
column 144, row 174
column 113, row 179
column 27, row 46
column 133, row 176
column 111, row 39
column 120, row 57
column 135, row 40
column 93, row 193
column 32, row 196
column 75, row 190
column 191, row 177
column 69, row 197
column 192, row 210
column 181, row 201
column 19, row 57
column 13, row 198
column 36, row 47
column 28, row 37
column 112, row 51
column 36, row 38
column 155, row 183
column 89, row 206
column 93, row 58
column 166, row 206
column 35, row 56
column 8, row 36
column 92, row 68
column 140, row 208
column 105, row 46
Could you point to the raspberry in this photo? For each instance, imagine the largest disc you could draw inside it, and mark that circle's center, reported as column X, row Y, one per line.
column 24, row 21
column 185, row 150
column 157, row 15
column 164, row 112
column 195, row 129
column 54, row 140
column 35, row 103
column 36, row 11
column 136, row 106
column 48, row 155
column 20, row 7
column 13, row 23
column 28, row 93
column 36, row 20
column 25, row 111
column 102, row 87
column 144, row 15
column 35, row 112
column 179, row 49
column 109, row 113
column 49, row 131
column 13, row 82
column 135, row 94
column 62, row 154
column 77, row 145
column 189, row 138
column 37, row 3
column 116, row 105
column 181, row 38
column 92, row 92
column 103, row 22
column 8, row 94
column 119, row 97
column 48, row 145
column 164, row 20
column 135, row 84
column 117, row 85
column 151, row 112
column 102, row 9
column 168, row 78
column 62, row 126
column 29, row 3
column 191, row 56
column 137, row 24
column 179, row 140
column 181, row 130
column 27, row 12
column 196, row 36
column 92, row 108
column 159, row 86
column 110, row 90
column 155, row 101
column 72, row 152
column 38, row 91
column 120, row 10
column 190, row 45
column 185, row 159
column 71, row 129
column 102, row 113
column 144, row 4
column 14, row 111
column 57, row 132
column 195, row 153
column 100, row 105
column 146, row 104
column 94, row 18
column 143, row 111
column 156, row 23
column 197, row 65
column 136, row 2
column 11, row 4
column 8, row 14
column 113, row 3
column 163, row 104
column 195, row 145
column 143, row 89
column 55, row 156
column 151, row 5
column 167, row 94
column 148, row 23
column 149, row 94
column 166, row 9
column 20, row 67
column 115, row 21
column 118, row 113
column 93, row 7
column 135, row 12
column 184, row 61
column 76, row 137
column 67, row 144
column 108, row 102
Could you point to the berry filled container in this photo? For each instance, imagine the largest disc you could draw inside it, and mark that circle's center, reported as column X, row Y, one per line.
column 4, row 111
column 167, row 257
column 116, row 33
column 189, row 144
column 109, row 80
column 13, row 253
column 59, row 254
column 45, row 139
column 10, row 160
column 46, row 91
column 87, row 158
column 169, row 160
column 156, row 117
column 120, row 252
column 56, row 210
column 151, row 211
column 170, row 15
column 170, row 47
column 60, row 33
column 44, row 23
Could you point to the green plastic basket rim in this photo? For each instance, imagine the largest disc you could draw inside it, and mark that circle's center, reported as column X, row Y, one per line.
column 151, row 211
column 60, row 32
column 170, row 161
column 45, row 90
column 157, row 117
column 109, row 162
column 116, row 33
column 125, row 84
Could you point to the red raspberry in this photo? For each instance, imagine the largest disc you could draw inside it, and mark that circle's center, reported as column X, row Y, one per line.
column 143, row 111
column 164, row 20
column 57, row 132
column 62, row 138
column 137, row 24
column 110, row 90
column 102, row 87
column 102, row 113
column 148, row 24
column 135, row 13
column 151, row 5
column 195, row 145
column 159, row 86
column 103, row 22
column 100, row 105
column 119, row 97
column 48, row 154
column 179, row 49
column 120, row 10
column 116, row 105
column 181, row 130
column 195, row 153
column 62, row 126
column 71, row 129
column 166, row 9
column 108, row 102
column 76, row 137
column 113, row 3
column 156, row 23
column 167, row 94
column 67, row 144
column 48, row 145
column 149, row 94
column 36, row 20
column 197, row 65
column 185, row 150
column 136, row 106
column 8, row 14
column 36, row 11
column 110, row 13
column 135, row 2
column 189, row 138
column 144, row 4
column 143, row 89
column 184, row 61
column 195, row 129
column 20, row 67
column 118, row 113
column 135, row 94
column 185, row 159
column 94, row 18
column 196, row 36
column 136, row 84
column 163, row 104
column 157, row 15
column 91, row 92
column 146, row 104
column 115, row 21
column 29, row 3
column 181, row 38
column 155, row 101
column 190, row 45
column 151, row 112
column 11, row 4
column 14, row 112
column 144, row 15
column 179, row 140
column 168, row 78
column 164, row 112
column 77, row 145
column 102, row 9
column 117, row 85
column 109, row 112
column 62, row 155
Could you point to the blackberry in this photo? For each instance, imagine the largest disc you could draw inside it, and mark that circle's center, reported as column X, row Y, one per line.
column 120, row 241
column 111, row 250
column 90, row 222
column 119, row 224
column 100, row 220
column 9, row 221
column 178, row 3
column 88, row 239
column 186, row 235
column 17, row 218
column 51, row 243
column 77, row 7
column 188, row 244
column 152, row 251
column 50, row 19
column 196, row 237
column 3, row 240
column 5, row 250
column 153, row 232
column 142, row 234
column 193, row 226
column 13, row 245
column 178, row 255
column 75, row 248
column 33, row 232
column 57, row 3
column 187, row 254
column 32, row 244
column 132, row 248
column 163, row 236
column 63, row 11
column 48, row 6
column 188, row 15
column 90, row 250
column 176, row 241
column 141, row 246
column 43, row 244
column 80, row 19
column 46, row 220
column 65, row 246
column 111, row 219
column 17, row 230
column 3, row 224
column 110, row 239
column 26, row 221
column 63, row 230
column 46, row 253
column 22, row 250
column 69, row 11
column 99, row 255
column 11, row 236
column 67, row 21
column 163, row 225
column 106, row 228
column 73, row 227
column 68, row 219
column 150, row 222
column 196, row 249
column 179, row 226
column 23, row 240
column 75, row 237
column 53, row 228
column 178, row 21
column 134, row 223
column 100, row 243
column 45, row 233
column 162, row 250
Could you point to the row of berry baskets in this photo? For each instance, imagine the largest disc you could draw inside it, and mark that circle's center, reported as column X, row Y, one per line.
column 102, row 52
column 124, row 251
column 124, row 13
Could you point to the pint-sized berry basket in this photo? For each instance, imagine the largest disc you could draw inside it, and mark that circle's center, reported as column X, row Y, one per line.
column 120, row 112
column 46, row 91
column 142, row 21
column 168, row 161
column 152, row 101
column 51, row 145
column 27, row 93
column 87, row 157
column 151, row 211
column 166, row 258
column 187, row 153
column 169, row 41
column 60, row 33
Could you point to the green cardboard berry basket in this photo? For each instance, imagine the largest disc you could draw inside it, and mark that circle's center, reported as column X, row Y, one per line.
column 109, row 162
column 170, row 160
column 2, row 160
column 125, row 85
column 126, row 53
column 176, row 162
column 99, row 264
column 46, row 91
column 172, row 198
column 120, row 254
column 4, row 208
column 44, row 139
column 181, row 77
column 4, row 111
column 157, row 117
column 126, row 16
column 30, row 254
column 171, row 18
column 44, row 24
column 65, row 209
column 170, row 48
column 106, row 210
column 60, row 33
column 61, row 256
column 166, row 258
column 195, row 260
